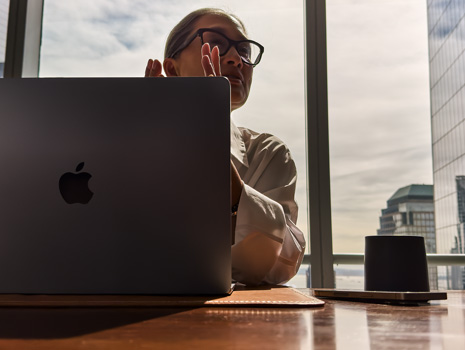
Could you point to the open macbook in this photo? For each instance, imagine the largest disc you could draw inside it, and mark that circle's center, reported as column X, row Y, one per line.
column 115, row 186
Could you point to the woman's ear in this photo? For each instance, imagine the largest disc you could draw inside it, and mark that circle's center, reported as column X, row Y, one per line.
column 170, row 67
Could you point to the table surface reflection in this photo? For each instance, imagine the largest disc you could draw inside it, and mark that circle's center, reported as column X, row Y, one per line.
column 337, row 325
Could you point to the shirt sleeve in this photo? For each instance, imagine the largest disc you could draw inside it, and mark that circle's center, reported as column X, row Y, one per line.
column 269, row 247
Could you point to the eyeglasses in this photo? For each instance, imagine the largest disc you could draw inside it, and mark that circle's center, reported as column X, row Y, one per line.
column 250, row 51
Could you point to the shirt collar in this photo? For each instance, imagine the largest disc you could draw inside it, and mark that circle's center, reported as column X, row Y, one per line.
column 238, row 145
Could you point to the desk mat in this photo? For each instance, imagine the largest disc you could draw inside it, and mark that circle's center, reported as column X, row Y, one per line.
column 269, row 296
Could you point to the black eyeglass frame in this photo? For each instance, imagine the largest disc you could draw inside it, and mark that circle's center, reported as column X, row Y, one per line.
column 231, row 42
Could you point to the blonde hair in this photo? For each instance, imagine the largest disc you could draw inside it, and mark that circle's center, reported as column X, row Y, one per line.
column 183, row 30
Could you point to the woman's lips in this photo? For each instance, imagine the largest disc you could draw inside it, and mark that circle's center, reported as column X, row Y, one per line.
column 234, row 80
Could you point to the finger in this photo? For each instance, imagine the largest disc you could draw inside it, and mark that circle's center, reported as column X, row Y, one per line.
column 148, row 68
column 156, row 69
column 207, row 66
column 215, row 58
column 205, row 51
column 206, row 60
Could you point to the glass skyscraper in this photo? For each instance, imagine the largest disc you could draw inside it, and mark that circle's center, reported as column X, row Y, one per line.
column 446, row 35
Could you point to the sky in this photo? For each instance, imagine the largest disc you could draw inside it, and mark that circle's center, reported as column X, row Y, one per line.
column 379, row 112
column 378, row 85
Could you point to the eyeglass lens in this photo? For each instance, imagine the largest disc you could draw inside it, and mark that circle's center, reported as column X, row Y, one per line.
column 249, row 52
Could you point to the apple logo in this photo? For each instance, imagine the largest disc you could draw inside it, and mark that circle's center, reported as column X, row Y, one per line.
column 74, row 188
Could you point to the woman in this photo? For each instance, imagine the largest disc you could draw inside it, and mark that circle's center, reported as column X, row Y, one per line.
column 267, row 246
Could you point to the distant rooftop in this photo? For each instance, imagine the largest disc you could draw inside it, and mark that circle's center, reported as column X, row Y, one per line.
column 412, row 192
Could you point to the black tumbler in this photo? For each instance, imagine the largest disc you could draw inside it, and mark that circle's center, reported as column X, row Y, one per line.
column 396, row 263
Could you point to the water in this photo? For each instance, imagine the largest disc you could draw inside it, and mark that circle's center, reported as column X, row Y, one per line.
column 346, row 277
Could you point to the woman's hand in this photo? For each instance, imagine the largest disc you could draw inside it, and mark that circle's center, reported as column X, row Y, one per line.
column 211, row 61
column 153, row 69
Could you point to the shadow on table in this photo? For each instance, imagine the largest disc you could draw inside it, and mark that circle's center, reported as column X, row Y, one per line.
column 36, row 321
column 48, row 323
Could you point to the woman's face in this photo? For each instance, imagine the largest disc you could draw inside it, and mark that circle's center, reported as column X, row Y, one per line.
column 188, row 61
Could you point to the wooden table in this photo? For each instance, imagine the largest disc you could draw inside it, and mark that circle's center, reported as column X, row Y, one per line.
column 339, row 324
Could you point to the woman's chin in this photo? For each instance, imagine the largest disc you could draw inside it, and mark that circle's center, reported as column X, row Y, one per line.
column 236, row 105
column 237, row 101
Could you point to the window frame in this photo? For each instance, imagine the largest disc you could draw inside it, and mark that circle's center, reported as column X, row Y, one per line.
column 318, row 175
column 24, row 34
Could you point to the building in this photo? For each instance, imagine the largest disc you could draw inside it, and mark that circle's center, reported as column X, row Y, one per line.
column 410, row 211
column 446, row 36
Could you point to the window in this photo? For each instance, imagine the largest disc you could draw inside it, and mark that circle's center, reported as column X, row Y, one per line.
column 377, row 81
column 4, row 7
column 103, row 38
column 404, row 219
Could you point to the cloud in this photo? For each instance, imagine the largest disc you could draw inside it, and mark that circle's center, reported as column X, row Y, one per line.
column 378, row 109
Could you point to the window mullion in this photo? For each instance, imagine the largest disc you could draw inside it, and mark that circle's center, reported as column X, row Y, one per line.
column 22, row 53
column 319, row 197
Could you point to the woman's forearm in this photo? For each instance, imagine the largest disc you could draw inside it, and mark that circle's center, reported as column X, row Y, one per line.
column 236, row 190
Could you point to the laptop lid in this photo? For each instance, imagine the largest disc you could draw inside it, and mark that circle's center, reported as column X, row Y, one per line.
column 115, row 186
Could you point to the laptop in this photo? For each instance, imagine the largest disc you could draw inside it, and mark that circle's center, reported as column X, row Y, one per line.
column 115, row 186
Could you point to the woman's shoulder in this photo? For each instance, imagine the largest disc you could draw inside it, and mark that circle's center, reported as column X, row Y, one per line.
column 265, row 147
column 253, row 138
column 268, row 154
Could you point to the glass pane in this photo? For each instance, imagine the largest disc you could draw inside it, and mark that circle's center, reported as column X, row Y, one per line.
column 349, row 277
column 4, row 8
column 116, row 38
column 379, row 119
column 446, row 29
column 302, row 278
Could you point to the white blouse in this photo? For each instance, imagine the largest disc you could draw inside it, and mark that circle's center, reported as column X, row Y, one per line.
column 269, row 247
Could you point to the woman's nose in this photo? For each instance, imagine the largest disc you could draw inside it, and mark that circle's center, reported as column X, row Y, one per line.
column 233, row 57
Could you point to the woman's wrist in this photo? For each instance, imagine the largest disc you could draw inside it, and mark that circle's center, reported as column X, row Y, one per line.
column 236, row 186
